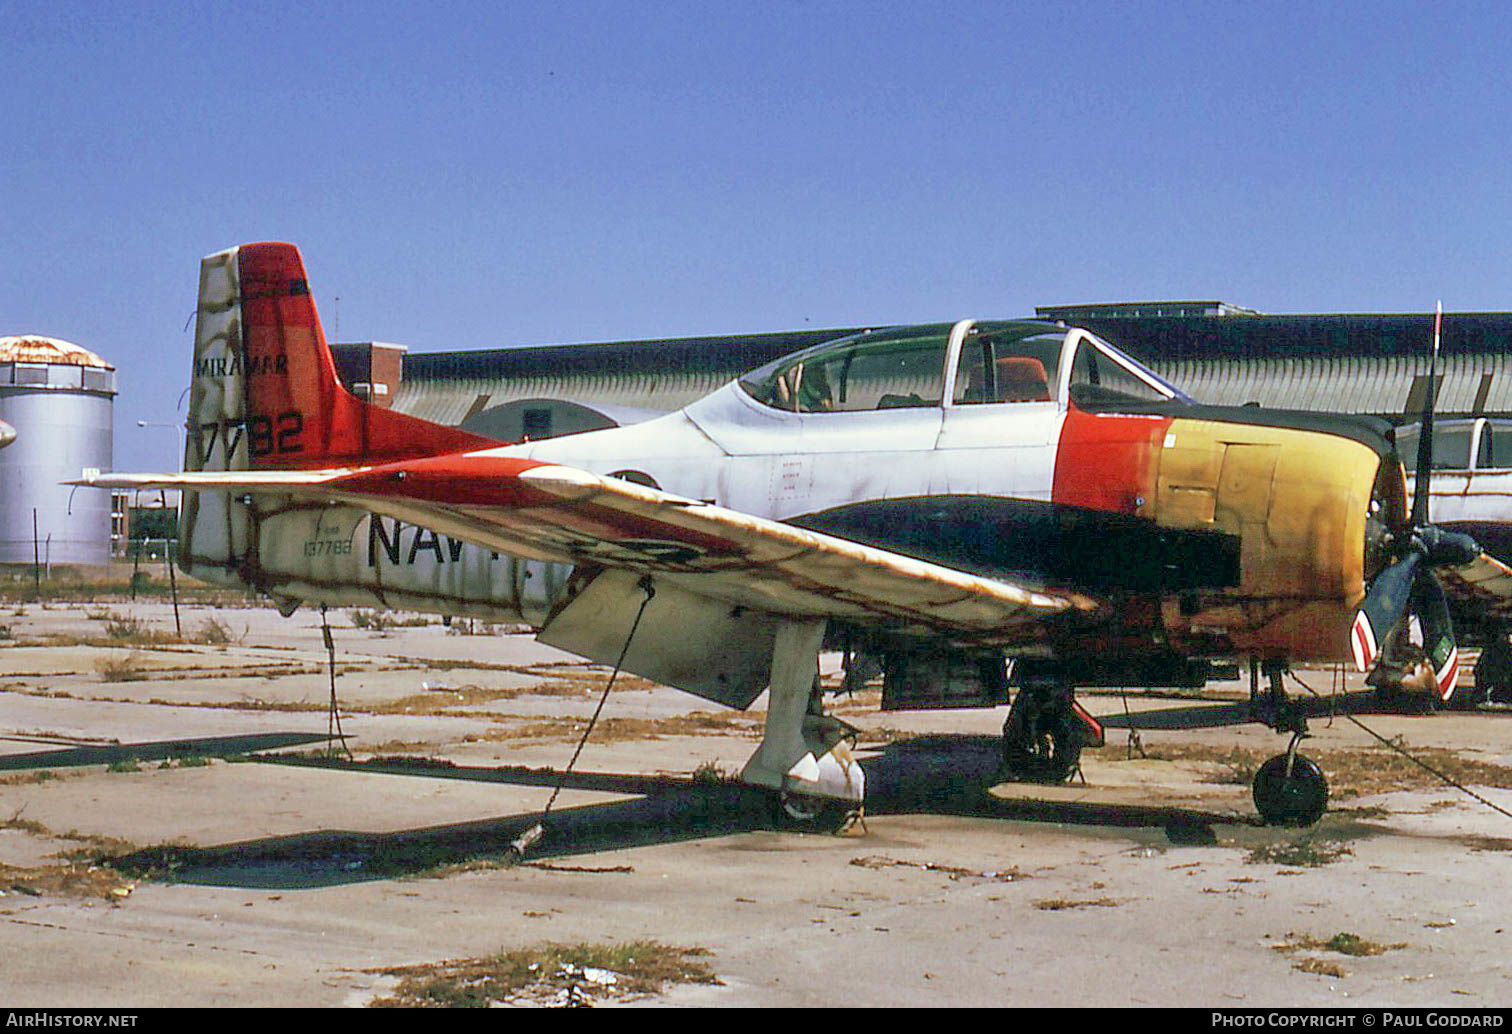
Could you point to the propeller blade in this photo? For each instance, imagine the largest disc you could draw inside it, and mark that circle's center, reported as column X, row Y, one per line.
column 1442, row 548
column 1425, row 430
column 1382, row 609
column 1432, row 609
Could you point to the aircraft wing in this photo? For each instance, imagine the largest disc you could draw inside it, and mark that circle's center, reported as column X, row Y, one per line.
column 1485, row 581
column 555, row 513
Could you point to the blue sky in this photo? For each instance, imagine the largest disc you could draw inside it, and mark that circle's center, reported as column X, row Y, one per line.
column 482, row 175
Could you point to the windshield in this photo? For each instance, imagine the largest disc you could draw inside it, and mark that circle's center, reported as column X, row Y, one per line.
column 1103, row 377
column 884, row 369
column 1451, row 445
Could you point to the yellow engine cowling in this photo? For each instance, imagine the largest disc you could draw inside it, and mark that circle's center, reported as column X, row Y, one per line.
column 1297, row 500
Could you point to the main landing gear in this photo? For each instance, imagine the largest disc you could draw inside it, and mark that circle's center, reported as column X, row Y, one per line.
column 805, row 755
column 1290, row 789
column 1046, row 731
column 1493, row 672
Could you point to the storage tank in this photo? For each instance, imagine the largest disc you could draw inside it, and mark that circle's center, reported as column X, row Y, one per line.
column 60, row 400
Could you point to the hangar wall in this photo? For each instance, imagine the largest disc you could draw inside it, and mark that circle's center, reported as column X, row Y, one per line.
column 1370, row 364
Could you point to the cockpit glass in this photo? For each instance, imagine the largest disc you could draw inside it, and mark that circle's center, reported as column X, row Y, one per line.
column 1496, row 445
column 904, row 367
column 1012, row 363
column 1451, row 446
column 1102, row 377
column 884, row 369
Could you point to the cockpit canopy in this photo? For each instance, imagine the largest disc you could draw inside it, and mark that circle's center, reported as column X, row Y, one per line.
column 961, row 364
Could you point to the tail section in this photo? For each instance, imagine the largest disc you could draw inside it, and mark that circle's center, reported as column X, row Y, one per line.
column 265, row 396
column 265, row 393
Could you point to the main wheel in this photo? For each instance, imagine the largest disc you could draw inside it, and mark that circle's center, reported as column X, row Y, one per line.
column 811, row 814
column 1295, row 800
column 1041, row 740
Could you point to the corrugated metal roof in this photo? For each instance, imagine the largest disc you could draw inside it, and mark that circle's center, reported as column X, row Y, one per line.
column 1390, row 386
column 449, row 401
column 33, row 348
column 1152, row 338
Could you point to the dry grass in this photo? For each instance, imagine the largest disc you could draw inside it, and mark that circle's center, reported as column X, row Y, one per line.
column 955, row 872
column 383, row 620
column 82, row 872
column 122, row 628
column 438, row 701
column 620, row 730
column 1349, row 944
column 214, row 632
column 43, row 775
column 71, row 879
column 1061, row 904
column 1361, row 773
column 1302, row 852
column 126, row 668
column 478, row 626
column 553, row 974
column 1321, row 967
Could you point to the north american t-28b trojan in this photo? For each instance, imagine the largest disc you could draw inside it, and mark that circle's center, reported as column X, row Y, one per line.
column 957, row 507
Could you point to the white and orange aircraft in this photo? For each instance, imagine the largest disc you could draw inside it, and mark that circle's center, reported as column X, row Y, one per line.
column 959, row 506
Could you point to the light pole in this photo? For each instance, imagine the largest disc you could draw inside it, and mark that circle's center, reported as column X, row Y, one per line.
column 178, row 436
column 168, row 558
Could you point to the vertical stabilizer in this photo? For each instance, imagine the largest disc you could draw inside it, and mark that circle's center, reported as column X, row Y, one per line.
column 266, row 395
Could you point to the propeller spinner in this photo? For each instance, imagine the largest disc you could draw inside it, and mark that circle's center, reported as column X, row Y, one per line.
column 1407, row 584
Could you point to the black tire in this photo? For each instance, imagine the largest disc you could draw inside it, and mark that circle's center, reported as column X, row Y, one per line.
column 811, row 814
column 1298, row 800
column 1042, row 743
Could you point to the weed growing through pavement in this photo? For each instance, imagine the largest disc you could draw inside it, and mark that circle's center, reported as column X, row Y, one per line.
column 555, row 974
column 121, row 669
column 1305, row 852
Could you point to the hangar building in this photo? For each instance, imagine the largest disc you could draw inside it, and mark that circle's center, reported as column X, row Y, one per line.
column 1219, row 353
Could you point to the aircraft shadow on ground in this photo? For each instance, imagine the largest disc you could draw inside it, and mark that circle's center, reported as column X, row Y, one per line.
column 160, row 750
column 937, row 775
column 1214, row 716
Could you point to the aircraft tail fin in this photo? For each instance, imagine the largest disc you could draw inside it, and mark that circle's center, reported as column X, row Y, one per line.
column 265, row 393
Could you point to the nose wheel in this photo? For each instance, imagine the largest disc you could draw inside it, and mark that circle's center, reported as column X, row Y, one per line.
column 1290, row 790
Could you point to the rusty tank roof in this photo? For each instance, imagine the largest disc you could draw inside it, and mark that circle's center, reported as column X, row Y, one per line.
column 33, row 348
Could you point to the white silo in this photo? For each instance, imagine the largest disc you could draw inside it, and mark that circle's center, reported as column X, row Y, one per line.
column 60, row 400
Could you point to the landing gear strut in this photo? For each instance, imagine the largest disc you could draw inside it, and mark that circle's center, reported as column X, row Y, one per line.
column 1290, row 789
column 1493, row 671
column 804, row 756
